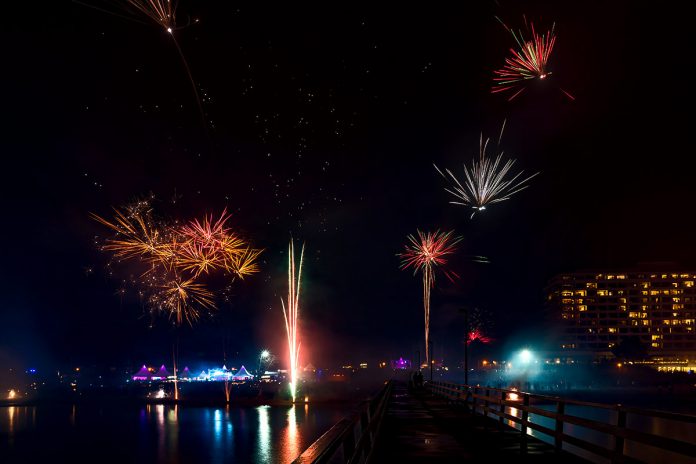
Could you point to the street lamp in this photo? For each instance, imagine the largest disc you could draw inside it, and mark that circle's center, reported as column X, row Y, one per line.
column 525, row 356
column 264, row 356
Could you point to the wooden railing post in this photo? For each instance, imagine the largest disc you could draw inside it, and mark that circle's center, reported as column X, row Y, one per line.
column 523, row 426
column 502, row 410
column 619, row 440
column 560, row 411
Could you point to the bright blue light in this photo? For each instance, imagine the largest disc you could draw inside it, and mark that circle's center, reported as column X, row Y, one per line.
column 525, row 356
column 32, row 371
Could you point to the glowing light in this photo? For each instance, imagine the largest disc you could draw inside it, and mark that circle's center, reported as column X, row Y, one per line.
column 513, row 397
column 306, row 399
column 425, row 253
column 525, row 356
column 160, row 394
column 291, row 312
column 486, row 181
column 12, row 395
column 265, row 354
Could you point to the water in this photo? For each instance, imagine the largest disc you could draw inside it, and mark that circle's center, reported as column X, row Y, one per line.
column 160, row 433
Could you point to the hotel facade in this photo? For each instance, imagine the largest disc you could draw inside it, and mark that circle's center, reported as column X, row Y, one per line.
column 599, row 309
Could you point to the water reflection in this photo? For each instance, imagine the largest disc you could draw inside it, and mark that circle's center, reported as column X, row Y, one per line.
column 11, row 411
column 162, row 433
column 290, row 447
column 264, row 448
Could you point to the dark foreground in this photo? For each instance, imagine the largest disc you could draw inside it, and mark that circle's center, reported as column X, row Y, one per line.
column 420, row 427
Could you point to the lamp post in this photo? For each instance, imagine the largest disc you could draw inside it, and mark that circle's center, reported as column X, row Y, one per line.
column 432, row 360
column 265, row 354
column 466, row 347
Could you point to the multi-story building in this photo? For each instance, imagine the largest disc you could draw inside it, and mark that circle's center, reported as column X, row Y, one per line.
column 600, row 309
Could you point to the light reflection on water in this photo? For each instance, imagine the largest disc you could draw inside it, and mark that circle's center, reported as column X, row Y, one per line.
column 264, row 442
column 160, row 433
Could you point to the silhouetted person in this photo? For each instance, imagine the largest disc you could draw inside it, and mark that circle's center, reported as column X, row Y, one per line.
column 418, row 380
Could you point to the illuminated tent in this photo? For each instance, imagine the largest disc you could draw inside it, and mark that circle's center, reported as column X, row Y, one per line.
column 142, row 374
column 242, row 374
column 186, row 374
column 161, row 373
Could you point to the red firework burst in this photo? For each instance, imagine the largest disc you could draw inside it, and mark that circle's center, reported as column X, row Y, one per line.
column 423, row 254
column 427, row 250
column 476, row 334
column 529, row 61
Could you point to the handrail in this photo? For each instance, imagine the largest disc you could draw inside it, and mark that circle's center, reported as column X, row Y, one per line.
column 482, row 399
column 342, row 437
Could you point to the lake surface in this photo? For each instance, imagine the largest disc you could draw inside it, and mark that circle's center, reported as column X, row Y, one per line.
column 160, row 433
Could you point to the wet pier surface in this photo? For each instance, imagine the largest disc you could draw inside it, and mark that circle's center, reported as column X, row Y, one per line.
column 419, row 427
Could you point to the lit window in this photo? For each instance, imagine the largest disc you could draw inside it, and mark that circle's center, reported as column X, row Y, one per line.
column 591, row 285
column 688, row 283
column 582, row 308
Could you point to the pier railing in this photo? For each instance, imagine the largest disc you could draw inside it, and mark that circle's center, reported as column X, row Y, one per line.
column 351, row 440
column 625, row 433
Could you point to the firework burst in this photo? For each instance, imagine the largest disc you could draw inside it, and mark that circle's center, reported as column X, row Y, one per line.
column 291, row 311
column 477, row 334
column 176, row 259
column 487, row 181
column 425, row 253
column 529, row 61
column 183, row 300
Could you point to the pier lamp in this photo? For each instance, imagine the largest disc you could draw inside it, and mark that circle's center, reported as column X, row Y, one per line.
column 525, row 356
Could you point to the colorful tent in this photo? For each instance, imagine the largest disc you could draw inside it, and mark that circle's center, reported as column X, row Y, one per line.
column 161, row 373
column 242, row 374
column 142, row 374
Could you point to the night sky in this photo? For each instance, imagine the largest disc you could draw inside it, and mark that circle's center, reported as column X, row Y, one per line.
column 323, row 124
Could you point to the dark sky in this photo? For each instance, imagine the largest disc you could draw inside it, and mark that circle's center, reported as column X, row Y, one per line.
column 323, row 124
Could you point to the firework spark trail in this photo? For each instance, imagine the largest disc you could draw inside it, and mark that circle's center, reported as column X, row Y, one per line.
column 529, row 61
column 486, row 182
column 424, row 253
column 162, row 13
column 291, row 313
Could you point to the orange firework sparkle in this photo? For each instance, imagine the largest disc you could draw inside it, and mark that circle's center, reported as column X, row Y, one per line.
column 177, row 258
